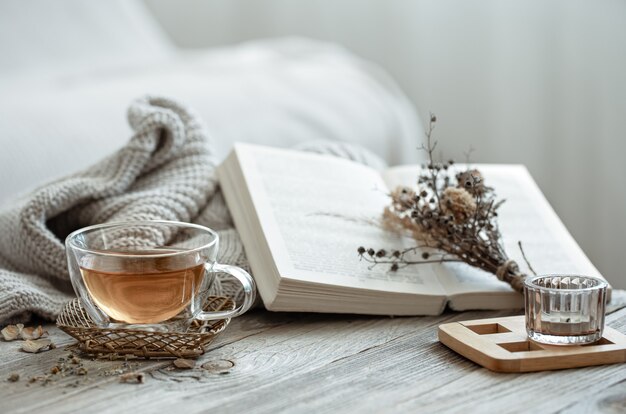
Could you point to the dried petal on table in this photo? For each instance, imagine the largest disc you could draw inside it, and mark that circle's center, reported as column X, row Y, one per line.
column 12, row 332
column 36, row 345
column 32, row 333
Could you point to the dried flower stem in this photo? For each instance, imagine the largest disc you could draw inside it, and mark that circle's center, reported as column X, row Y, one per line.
column 519, row 243
column 430, row 149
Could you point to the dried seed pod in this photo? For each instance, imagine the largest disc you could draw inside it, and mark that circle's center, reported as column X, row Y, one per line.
column 458, row 203
column 218, row 366
column 184, row 363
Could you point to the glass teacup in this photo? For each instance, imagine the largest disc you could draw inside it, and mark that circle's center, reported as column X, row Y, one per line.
column 153, row 275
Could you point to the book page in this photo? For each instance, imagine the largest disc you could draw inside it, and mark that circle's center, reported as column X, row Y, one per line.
column 525, row 216
column 316, row 210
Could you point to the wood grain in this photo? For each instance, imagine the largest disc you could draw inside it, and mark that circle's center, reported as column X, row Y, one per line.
column 270, row 362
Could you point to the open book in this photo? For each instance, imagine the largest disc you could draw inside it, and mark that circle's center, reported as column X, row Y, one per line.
column 302, row 216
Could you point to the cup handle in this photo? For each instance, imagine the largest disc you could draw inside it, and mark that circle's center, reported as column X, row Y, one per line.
column 249, row 292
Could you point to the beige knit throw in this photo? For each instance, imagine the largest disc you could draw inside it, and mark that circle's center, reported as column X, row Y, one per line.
column 166, row 171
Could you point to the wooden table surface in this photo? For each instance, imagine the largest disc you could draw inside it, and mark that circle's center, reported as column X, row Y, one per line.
column 286, row 362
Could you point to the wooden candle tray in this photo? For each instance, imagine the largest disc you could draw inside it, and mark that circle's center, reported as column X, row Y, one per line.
column 501, row 344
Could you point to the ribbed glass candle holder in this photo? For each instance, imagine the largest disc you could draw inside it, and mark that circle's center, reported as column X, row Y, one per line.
column 565, row 309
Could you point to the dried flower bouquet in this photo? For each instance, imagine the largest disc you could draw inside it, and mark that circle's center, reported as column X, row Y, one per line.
column 452, row 216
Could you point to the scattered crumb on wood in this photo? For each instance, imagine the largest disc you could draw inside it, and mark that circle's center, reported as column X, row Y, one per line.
column 132, row 377
column 42, row 379
column 72, row 365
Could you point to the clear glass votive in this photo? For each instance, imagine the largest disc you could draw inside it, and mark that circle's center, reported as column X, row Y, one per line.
column 564, row 309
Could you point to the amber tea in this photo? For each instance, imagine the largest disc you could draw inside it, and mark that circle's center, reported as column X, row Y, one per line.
column 144, row 290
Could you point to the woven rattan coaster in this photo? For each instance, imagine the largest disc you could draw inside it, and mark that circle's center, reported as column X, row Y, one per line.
column 75, row 321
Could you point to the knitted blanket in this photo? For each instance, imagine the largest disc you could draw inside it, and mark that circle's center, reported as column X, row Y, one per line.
column 166, row 171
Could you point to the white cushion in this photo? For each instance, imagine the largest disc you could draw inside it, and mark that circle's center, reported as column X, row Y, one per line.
column 269, row 92
column 40, row 39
